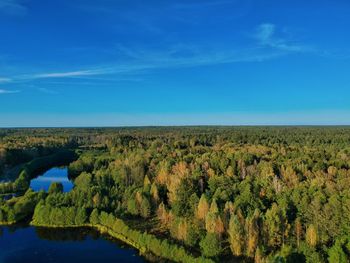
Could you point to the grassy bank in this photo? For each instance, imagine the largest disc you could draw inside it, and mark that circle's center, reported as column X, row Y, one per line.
column 8, row 223
column 144, row 242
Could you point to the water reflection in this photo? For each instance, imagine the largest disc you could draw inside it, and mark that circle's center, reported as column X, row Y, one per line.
column 31, row 244
column 66, row 234
column 56, row 174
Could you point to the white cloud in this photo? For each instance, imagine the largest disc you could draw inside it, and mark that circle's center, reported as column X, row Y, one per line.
column 182, row 55
column 5, row 80
column 6, row 91
column 269, row 45
column 178, row 56
column 265, row 32
column 66, row 74
column 266, row 35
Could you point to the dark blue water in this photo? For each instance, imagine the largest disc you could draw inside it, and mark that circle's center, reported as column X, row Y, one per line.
column 43, row 245
column 56, row 174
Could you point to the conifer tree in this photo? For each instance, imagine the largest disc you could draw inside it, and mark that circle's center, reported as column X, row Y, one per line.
column 236, row 236
column 203, row 208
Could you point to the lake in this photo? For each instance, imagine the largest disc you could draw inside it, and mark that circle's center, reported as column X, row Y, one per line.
column 34, row 244
column 56, row 174
column 51, row 245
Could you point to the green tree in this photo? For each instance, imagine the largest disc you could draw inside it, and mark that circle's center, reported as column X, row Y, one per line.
column 145, row 208
column 81, row 216
column 210, row 245
column 132, row 207
column 94, row 217
column 276, row 225
column 336, row 254
column 236, row 236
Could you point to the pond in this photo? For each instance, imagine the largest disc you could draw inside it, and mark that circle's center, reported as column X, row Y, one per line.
column 56, row 174
column 34, row 244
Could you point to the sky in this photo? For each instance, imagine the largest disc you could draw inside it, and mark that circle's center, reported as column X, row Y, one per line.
column 160, row 62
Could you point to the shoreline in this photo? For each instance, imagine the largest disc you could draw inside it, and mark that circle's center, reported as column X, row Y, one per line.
column 147, row 254
column 101, row 229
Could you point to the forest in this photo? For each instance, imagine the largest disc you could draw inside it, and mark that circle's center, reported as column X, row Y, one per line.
column 191, row 194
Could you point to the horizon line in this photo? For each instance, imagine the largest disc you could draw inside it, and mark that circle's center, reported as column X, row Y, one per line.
column 175, row 126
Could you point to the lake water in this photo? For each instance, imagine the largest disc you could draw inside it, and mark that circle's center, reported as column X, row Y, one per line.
column 33, row 244
column 56, row 174
column 51, row 245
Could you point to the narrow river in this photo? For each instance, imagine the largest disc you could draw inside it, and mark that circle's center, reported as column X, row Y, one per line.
column 56, row 174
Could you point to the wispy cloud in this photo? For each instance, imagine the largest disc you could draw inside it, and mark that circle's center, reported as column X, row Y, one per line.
column 266, row 35
column 138, row 61
column 181, row 56
column 268, row 45
column 65, row 74
column 143, row 60
column 6, row 91
column 12, row 7
column 5, row 80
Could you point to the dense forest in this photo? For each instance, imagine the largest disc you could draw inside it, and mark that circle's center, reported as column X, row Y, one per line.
column 191, row 194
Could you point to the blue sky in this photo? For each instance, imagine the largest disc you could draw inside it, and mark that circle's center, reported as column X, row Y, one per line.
column 229, row 62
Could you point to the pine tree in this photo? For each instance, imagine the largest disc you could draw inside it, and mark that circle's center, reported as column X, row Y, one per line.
column 132, row 207
column 154, row 194
column 236, row 236
column 94, row 217
column 252, row 233
column 214, row 207
column 276, row 225
column 146, row 184
column 298, row 230
column 214, row 224
column 311, row 235
column 203, row 208
column 145, row 208
column 163, row 215
column 213, row 221
column 162, row 177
